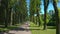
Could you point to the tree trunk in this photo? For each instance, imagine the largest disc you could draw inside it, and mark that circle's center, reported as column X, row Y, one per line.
column 46, row 3
column 6, row 18
column 33, row 18
column 57, row 17
column 45, row 23
column 11, row 17
column 38, row 17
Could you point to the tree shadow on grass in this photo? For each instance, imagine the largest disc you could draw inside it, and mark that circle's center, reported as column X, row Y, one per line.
column 53, row 27
column 1, row 32
column 12, row 29
column 24, row 29
column 33, row 26
column 34, row 29
column 6, row 32
column 19, row 29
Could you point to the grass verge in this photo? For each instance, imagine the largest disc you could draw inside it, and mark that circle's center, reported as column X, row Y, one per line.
column 9, row 28
column 38, row 30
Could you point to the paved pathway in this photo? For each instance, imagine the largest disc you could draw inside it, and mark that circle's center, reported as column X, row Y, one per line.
column 21, row 30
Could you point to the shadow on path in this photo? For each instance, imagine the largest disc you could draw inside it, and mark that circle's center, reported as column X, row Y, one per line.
column 19, row 29
column 23, row 29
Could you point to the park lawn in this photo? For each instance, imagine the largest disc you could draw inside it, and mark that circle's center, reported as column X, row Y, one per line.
column 9, row 28
column 38, row 30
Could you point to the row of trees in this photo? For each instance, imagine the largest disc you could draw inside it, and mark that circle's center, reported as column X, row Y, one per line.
column 12, row 12
column 35, row 7
column 15, row 11
column 57, row 18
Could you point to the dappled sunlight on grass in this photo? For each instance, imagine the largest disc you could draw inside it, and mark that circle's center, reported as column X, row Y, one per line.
column 39, row 30
column 9, row 28
column 48, row 31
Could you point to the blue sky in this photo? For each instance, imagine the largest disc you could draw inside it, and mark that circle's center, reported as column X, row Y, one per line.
column 50, row 7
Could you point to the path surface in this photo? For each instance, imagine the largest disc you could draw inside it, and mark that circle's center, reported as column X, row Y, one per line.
column 21, row 30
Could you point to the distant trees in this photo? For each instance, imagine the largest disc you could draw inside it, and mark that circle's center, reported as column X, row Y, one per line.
column 23, row 10
column 32, row 9
column 20, row 12
column 35, row 9
column 51, row 17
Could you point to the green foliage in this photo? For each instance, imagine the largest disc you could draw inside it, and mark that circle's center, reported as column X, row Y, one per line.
column 52, row 21
column 12, row 2
column 32, row 7
column 18, row 9
column 12, row 11
column 57, row 1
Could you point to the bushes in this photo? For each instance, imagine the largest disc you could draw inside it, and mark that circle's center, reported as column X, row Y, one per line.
column 51, row 24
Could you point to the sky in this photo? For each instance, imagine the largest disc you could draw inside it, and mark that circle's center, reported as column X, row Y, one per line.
column 50, row 7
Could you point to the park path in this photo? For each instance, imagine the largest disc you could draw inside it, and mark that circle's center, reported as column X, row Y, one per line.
column 21, row 30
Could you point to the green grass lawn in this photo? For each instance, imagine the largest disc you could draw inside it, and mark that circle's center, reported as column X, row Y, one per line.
column 9, row 28
column 38, row 30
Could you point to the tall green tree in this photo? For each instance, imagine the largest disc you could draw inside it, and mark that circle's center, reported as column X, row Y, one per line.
column 6, row 11
column 12, row 3
column 32, row 9
column 4, row 5
column 23, row 10
column 35, row 9
column 38, row 3
column 2, row 11
column 46, row 2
